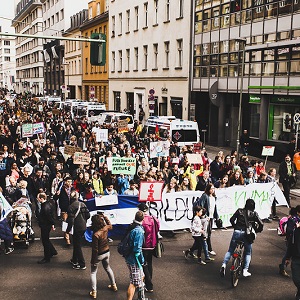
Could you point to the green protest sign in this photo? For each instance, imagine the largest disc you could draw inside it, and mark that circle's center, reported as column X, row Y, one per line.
column 123, row 165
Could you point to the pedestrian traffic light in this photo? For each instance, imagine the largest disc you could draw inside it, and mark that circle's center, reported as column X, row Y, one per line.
column 98, row 50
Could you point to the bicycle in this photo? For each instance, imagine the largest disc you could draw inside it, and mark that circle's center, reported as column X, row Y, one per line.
column 237, row 263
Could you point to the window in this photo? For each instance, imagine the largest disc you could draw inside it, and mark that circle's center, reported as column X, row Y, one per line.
column 167, row 54
column 90, row 13
column 179, row 53
column 180, row 8
column 6, row 58
column 136, row 10
column 57, row 17
column 98, row 9
column 113, row 59
column 145, row 57
column 120, row 23
column 127, row 20
column 155, row 54
column 7, row 43
column 113, row 26
column 136, row 56
column 127, row 59
column 155, row 12
column 254, row 120
column 62, row 15
column 167, row 10
column 86, row 65
column 120, row 61
column 146, row 14
column 6, row 50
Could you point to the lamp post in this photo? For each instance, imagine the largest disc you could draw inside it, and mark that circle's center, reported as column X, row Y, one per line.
column 243, row 41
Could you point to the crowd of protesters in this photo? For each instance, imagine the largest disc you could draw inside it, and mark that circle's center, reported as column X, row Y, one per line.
column 36, row 165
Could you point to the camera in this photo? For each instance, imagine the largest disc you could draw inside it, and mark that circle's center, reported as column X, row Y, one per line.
column 100, row 212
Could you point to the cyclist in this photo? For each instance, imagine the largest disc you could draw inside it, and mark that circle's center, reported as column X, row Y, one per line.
column 239, row 222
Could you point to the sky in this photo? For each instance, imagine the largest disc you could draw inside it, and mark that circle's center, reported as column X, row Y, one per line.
column 6, row 11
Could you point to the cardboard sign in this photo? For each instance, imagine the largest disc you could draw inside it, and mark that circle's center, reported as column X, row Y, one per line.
column 194, row 158
column 82, row 158
column 268, row 151
column 123, row 165
column 101, row 135
column 38, row 128
column 122, row 126
column 27, row 130
column 106, row 200
column 159, row 149
column 70, row 150
column 151, row 191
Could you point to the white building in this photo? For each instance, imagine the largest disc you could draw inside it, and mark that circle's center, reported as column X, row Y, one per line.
column 29, row 58
column 149, row 46
column 57, row 19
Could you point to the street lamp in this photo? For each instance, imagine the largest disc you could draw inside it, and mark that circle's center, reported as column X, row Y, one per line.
column 243, row 42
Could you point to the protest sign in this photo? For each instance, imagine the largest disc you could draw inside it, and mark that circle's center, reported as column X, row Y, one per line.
column 268, row 151
column 194, row 158
column 122, row 126
column 123, row 165
column 151, row 191
column 106, row 200
column 5, row 207
column 82, row 158
column 159, row 149
column 38, row 128
column 27, row 130
column 109, row 163
column 101, row 135
column 70, row 150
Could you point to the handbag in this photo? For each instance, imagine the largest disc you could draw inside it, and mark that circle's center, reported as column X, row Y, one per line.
column 159, row 248
column 250, row 232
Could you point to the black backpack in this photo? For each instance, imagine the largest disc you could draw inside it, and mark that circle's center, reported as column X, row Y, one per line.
column 124, row 247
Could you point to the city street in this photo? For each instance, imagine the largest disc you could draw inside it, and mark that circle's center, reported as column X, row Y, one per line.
column 174, row 277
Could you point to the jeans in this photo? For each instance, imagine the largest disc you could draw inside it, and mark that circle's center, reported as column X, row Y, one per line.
column 209, row 229
column 104, row 258
column 295, row 266
column 239, row 235
column 77, row 251
column 200, row 243
column 286, row 190
column 148, row 269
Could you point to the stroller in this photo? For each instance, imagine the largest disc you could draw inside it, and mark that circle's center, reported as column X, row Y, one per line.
column 21, row 222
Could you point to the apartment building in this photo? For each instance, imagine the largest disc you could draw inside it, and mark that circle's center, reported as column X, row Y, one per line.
column 72, row 59
column 266, row 36
column 95, row 78
column 29, row 58
column 149, row 56
column 56, row 19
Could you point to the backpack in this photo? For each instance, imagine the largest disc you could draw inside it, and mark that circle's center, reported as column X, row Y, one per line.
column 282, row 225
column 124, row 247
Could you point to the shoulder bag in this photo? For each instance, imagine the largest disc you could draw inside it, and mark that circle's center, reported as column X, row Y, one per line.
column 159, row 248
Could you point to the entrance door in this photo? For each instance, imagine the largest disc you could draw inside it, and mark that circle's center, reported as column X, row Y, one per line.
column 176, row 106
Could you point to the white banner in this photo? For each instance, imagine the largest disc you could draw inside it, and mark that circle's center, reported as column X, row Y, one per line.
column 5, row 208
column 106, row 200
column 101, row 135
column 175, row 211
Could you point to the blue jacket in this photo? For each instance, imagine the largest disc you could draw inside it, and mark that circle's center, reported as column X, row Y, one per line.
column 204, row 201
column 136, row 239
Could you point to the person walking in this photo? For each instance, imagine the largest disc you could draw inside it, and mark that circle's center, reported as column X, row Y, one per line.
column 100, row 252
column 78, row 214
column 241, row 220
column 135, row 259
column 46, row 222
column 151, row 228
column 287, row 174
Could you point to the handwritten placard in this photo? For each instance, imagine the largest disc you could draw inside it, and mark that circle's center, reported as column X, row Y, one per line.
column 194, row 158
column 123, row 165
column 70, row 150
column 122, row 126
column 38, row 128
column 27, row 130
column 106, row 200
column 82, row 158
column 101, row 135
column 159, row 149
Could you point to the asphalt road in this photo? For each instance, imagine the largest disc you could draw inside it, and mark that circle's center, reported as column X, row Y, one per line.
column 174, row 277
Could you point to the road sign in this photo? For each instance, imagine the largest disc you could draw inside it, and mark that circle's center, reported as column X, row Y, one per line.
column 297, row 118
column 151, row 91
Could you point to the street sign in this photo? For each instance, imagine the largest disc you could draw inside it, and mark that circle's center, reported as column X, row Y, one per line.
column 297, row 118
column 151, row 91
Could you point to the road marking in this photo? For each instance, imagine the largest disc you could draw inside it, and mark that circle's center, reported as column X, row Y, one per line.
column 52, row 238
column 272, row 229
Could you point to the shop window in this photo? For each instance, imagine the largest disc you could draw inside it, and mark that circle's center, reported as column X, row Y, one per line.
column 284, row 7
column 233, row 71
column 254, row 120
column 267, row 69
column 281, row 68
column 223, row 71
column 270, row 9
column 295, row 68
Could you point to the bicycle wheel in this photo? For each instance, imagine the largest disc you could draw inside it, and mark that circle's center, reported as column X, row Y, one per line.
column 235, row 271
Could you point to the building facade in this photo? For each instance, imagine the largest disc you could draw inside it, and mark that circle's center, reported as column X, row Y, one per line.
column 73, row 61
column 95, row 78
column 149, row 57
column 266, row 35
column 56, row 19
column 29, row 59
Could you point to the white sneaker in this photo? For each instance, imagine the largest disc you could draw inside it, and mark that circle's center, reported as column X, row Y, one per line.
column 213, row 253
column 246, row 273
column 159, row 236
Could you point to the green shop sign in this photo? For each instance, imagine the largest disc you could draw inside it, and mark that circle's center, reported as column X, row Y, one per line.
column 254, row 99
column 285, row 100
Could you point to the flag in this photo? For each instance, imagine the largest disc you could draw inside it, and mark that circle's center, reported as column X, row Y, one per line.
column 157, row 132
column 5, row 207
column 46, row 56
column 54, row 52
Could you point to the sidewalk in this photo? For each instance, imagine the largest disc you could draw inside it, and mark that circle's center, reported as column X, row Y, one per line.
column 212, row 151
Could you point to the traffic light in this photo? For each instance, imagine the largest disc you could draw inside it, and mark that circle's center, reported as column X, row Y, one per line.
column 98, row 50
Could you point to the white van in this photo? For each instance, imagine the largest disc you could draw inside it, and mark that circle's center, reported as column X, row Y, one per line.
column 182, row 131
column 114, row 117
column 90, row 110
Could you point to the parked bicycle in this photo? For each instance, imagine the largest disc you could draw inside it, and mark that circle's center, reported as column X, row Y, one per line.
column 236, row 269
